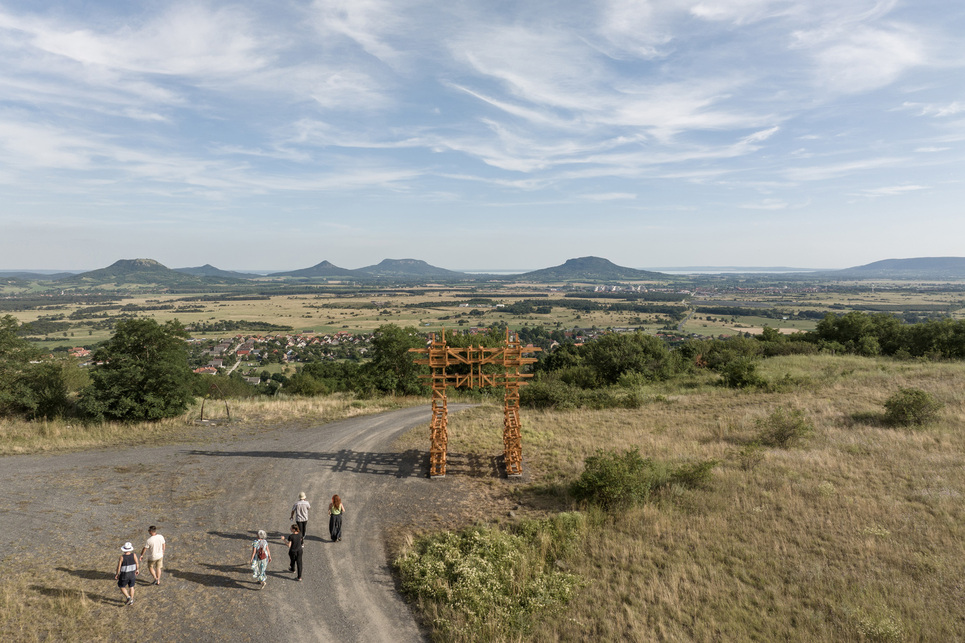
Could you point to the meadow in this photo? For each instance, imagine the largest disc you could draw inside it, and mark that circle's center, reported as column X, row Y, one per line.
column 856, row 535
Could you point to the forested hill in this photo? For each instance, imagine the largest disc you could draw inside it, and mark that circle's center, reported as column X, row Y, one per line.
column 323, row 269
column 140, row 272
column 207, row 270
column 916, row 268
column 589, row 269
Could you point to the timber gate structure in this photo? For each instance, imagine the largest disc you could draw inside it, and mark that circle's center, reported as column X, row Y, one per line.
column 468, row 370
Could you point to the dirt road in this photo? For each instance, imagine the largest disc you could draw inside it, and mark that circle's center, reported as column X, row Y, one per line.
column 67, row 515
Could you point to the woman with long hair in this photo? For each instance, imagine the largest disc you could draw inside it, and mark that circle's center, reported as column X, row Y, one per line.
column 335, row 511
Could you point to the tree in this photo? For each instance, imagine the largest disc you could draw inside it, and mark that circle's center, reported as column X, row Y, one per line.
column 142, row 373
column 393, row 369
column 27, row 387
column 614, row 354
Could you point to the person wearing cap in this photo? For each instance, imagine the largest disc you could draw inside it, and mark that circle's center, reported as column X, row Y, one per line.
column 300, row 514
column 127, row 571
column 155, row 553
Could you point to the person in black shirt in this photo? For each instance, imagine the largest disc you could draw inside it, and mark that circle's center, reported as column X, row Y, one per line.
column 127, row 571
column 295, row 539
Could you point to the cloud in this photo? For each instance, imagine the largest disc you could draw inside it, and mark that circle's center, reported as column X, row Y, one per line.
column 186, row 39
column 836, row 170
column 766, row 204
column 936, row 110
column 370, row 24
column 610, row 196
column 893, row 190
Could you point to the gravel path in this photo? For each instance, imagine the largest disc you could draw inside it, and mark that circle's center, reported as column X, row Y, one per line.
column 67, row 515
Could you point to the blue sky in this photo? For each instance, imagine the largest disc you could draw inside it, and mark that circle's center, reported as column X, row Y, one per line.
column 480, row 135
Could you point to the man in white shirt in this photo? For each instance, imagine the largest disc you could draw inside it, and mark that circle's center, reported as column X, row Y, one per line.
column 155, row 553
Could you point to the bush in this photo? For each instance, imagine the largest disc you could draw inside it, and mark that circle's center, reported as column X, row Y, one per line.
column 911, row 407
column 784, row 428
column 489, row 583
column 615, row 480
column 741, row 373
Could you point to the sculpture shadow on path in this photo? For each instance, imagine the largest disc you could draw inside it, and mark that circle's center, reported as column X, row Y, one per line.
column 413, row 463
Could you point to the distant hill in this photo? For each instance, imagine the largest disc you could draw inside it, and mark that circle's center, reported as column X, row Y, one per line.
column 589, row 269
column 319, row 270
column 916, row 268
column 34, row 276
column 403, row 268
column 139, row 272
column 207, row 270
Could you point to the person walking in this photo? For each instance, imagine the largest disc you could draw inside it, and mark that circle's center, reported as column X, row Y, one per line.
column 295, row 551
column 335, row 511
column 260, row 557
column 127, row 571
column 154, row 546
column 300, row 514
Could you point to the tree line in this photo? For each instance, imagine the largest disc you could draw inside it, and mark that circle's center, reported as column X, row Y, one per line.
column 142, row 372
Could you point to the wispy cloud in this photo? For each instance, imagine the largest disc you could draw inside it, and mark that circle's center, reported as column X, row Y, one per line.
column 742, row 104
column 610, row 196
column 836, row 170
column 892, row 190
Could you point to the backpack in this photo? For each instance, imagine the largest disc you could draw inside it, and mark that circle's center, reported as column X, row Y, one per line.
column 260, row 554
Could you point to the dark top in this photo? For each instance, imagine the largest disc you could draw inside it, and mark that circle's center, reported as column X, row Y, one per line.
column 296, row 542
column 128, row 567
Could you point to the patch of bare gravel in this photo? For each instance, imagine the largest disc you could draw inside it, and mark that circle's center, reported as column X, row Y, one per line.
column 65, row 517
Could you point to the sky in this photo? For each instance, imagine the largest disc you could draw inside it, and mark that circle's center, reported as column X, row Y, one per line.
column 482, row 134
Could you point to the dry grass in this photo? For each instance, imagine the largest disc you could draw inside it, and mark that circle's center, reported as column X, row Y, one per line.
column 858, row 536
column 20, row 437
column 40, row 608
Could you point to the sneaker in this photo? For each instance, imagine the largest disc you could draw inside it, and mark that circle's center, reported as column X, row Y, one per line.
column 130, row 601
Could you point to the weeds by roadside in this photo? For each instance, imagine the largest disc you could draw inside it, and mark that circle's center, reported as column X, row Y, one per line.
column 19, row 436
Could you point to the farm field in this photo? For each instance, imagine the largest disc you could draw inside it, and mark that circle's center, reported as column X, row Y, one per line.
column 720, row 310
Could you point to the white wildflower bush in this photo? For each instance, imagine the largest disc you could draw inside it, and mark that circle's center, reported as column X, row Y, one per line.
column 485, row 582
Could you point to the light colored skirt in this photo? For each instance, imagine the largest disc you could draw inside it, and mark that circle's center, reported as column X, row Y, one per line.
column 258, row 569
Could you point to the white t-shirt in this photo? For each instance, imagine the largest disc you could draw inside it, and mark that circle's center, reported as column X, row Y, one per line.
column 155, row 547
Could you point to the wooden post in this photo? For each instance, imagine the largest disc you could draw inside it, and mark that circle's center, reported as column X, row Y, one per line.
column 438, row 356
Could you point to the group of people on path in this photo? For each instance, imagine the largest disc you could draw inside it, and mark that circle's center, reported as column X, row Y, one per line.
column 129, row 563
column 295, row 541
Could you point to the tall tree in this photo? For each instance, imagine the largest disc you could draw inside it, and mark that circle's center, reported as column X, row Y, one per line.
column 392, row 369
column 142, row 373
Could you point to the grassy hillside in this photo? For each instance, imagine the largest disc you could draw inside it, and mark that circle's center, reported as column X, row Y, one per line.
column 858, row 535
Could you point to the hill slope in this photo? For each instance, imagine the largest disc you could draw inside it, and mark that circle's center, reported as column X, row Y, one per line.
column 324, row 269
column 589, row 269
column 139, row 272
column 207, row 270
column 914, row 268
column 402, row 268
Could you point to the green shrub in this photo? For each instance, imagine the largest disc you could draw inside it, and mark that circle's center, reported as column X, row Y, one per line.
column 615, row 480
column 693, row 475
column 548, row 394
column 489, row 583
column 750, row 455
column 784, row 428
column 741, row 373
column 911, row 407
